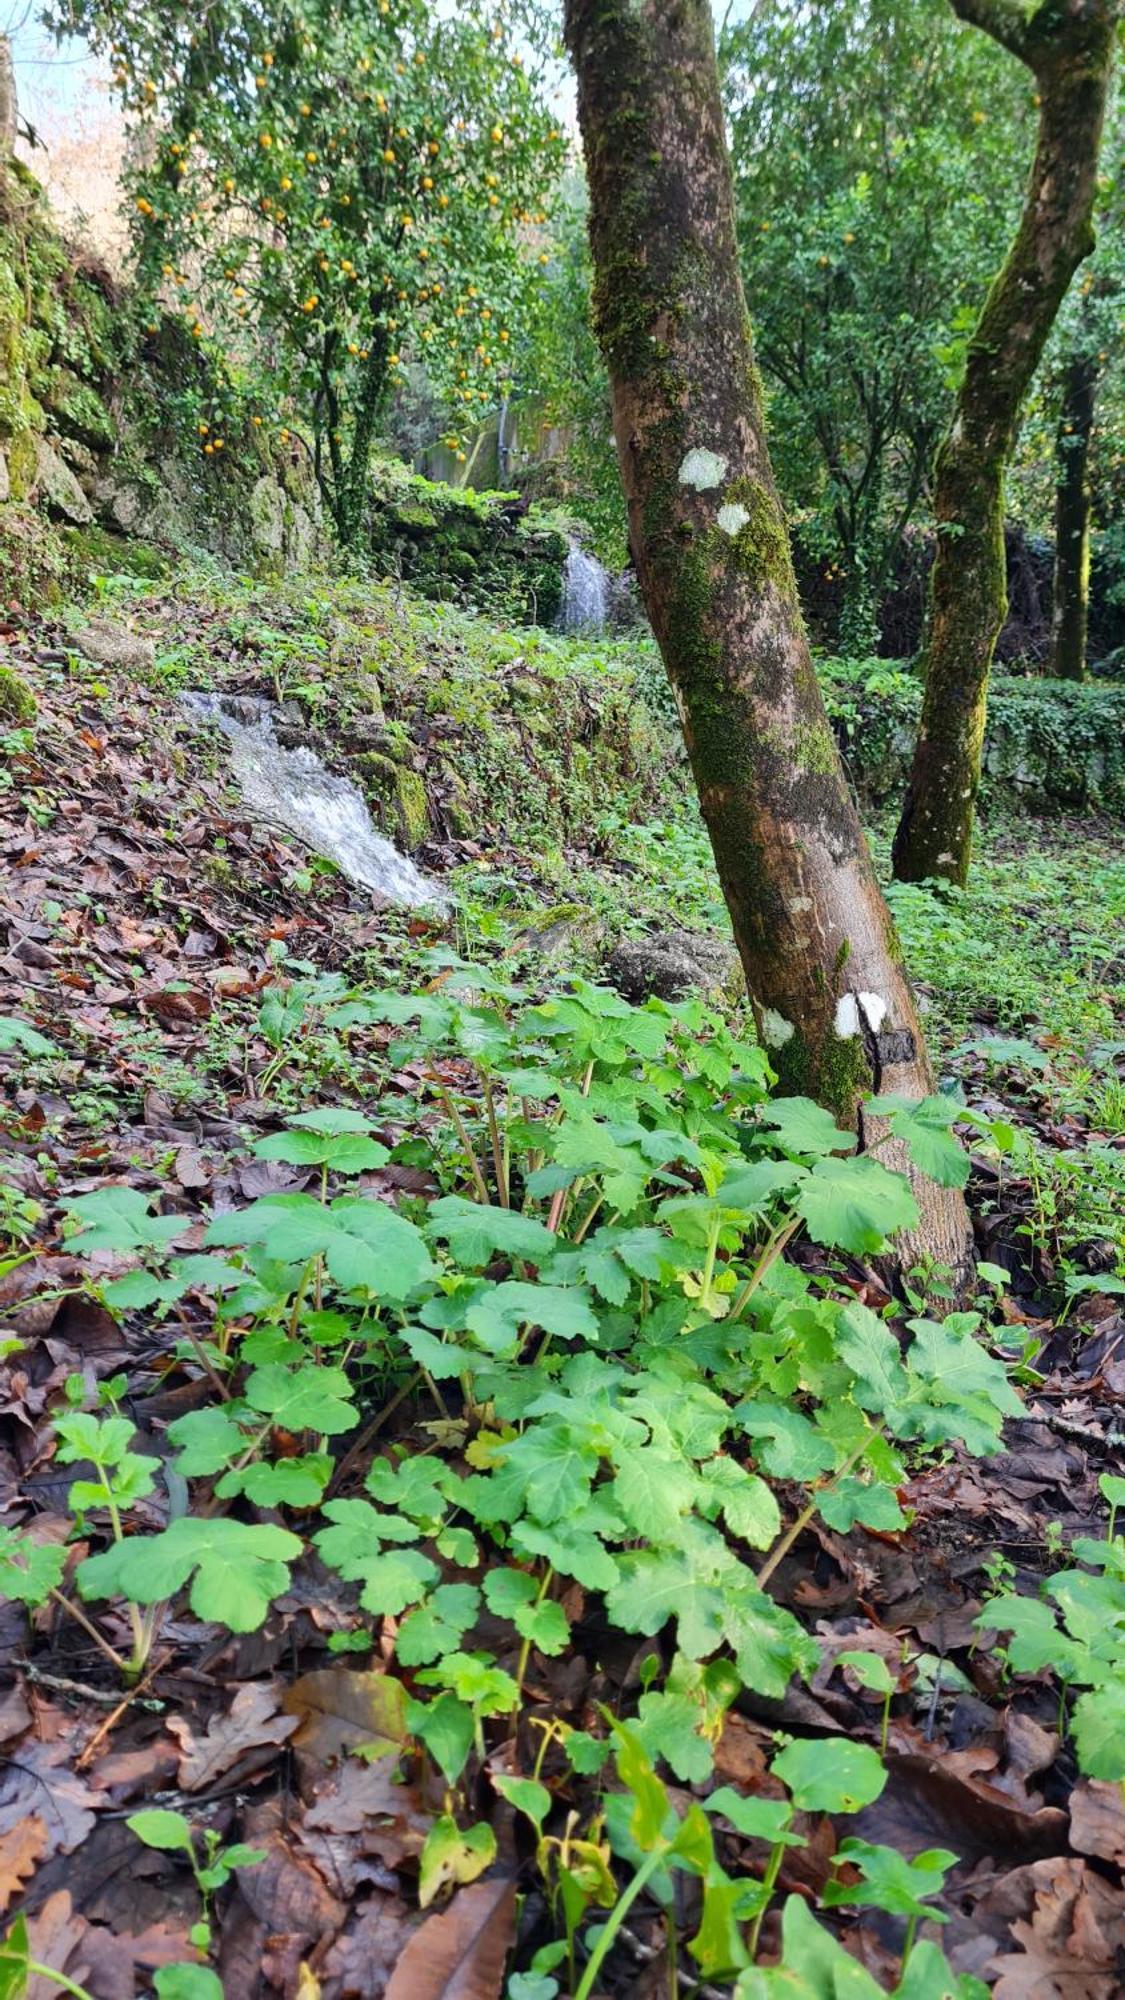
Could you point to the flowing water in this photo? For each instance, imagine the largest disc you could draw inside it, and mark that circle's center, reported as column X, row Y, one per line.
column 292, row 790
column 585, row 599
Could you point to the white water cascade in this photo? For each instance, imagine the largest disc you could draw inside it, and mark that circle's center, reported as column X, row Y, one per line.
column 291, row 789
column 585, row 599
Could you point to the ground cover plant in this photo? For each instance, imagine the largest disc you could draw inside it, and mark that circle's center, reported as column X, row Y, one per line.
column 476, row 1501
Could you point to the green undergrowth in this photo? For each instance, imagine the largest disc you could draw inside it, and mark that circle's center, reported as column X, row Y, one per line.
column 619, row 1407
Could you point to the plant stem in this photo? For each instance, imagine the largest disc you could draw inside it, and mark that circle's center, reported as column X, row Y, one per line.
column 497, row 1145
column 617, row 1917
column 525, row 1649
column 769, row 1883
column 91, row 1630
column 446, row 1101
column 782, row 1547
column 32, row 1969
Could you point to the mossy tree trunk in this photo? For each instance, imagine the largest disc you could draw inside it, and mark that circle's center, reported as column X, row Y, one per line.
column 1071, row 605
column 1068, row 46
column 712, row 554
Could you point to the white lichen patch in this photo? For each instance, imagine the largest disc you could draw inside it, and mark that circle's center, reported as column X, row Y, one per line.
column 733, row 517
column 703, row 470
column 776, row 1030
column 874, row 1010
column 847, row 1016
column 799, row 904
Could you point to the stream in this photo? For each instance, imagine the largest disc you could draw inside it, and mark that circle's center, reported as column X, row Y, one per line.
column 292, row 790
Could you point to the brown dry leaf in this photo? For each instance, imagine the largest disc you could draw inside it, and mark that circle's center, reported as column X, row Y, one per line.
column 34, row 1781
column 285, row 1892
column 1097, row 1821
column 461, row 1954
column 252, row 1720
column 1073, row 1944
column 341, row 1710
column 21, row 1851
column 361, row 1965
column 55, row 1935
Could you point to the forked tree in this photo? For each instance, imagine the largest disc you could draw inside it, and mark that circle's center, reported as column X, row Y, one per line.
column 712, row 555
column 1068, row 46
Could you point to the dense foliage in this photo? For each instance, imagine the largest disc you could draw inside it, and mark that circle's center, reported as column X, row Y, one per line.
column 334, row 192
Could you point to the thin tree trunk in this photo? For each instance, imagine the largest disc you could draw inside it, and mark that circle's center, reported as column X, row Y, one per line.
column 1068, row 46
column 1071, row 607
column 712, row 554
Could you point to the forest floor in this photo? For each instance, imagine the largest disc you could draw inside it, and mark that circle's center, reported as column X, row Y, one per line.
column 188, row 969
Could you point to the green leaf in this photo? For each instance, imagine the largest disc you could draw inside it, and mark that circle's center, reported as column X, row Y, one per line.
column 756, row 1819
column 870, row 1349
column 925, row 1127
column 29, row 1570
column 1099, row 1732
column 746, row 1503
column 238, row 1568
column 527, row 1795
column 365, row 1244
column 450, row 1858
column 805, row 1127
column 499, row 1314
column 169, row 1831
column 117, row 1218
column 305, row 1398
column 18, row 1034
column 813, row 1965
column 855, row 1205
column 830, row 1775
column 187, row 1982
column 438, row 1625
column 654, row 1492
column 889, row 1880
column 850, row 1500
column 475, row 1234
column 392, row 1579
column 445, row 1726
column 345, row 1152
column 870, row 1670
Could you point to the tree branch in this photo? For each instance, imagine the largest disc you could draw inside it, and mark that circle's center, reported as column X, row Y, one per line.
column 1005, row 20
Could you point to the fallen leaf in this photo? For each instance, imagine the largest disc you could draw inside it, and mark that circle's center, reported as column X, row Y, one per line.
column 1097, row 1821
column 341, row 1710
column 252, row 1721
column 361, row 1964
column 35, row 1782
column 461, row 1954
column 21, row 1851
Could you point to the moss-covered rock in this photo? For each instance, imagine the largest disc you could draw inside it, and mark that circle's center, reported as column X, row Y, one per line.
column 17, row 703
column 397, row 797
column 458, row 546
column 35, row 564
column 78, row 411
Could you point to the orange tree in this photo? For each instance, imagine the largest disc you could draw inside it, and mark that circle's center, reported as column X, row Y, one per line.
column 334, row 188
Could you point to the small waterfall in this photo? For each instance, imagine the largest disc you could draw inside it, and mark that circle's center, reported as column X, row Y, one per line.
column 585, row 599
column 291, row 789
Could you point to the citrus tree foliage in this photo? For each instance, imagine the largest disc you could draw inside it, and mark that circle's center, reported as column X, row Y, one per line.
column 334, row 188
column 873, row 149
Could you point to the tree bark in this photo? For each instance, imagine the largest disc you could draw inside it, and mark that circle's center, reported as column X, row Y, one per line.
column 1068, row 46
column 712, row 555
column 1071, row 607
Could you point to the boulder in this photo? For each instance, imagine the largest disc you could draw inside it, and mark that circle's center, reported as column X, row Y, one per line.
column 115, row 646
column 59, row 490
column 670, row 965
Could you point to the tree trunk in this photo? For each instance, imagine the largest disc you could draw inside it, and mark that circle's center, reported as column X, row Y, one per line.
column 712, row 554
column 1068, row 45
column 1071, row 607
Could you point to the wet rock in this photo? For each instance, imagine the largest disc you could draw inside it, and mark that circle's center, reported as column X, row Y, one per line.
column 58, row 488
column 672, row 964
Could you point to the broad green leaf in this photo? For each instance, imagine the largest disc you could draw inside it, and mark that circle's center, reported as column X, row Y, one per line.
column 870, row 1349
column 118, row 1218
column 746, row 1503
column 527, row 1795
column 756, row 1818
column 830, row 1774
column 805, row 1127
column 305, row 1398
column 855, row 1205
column 29, row 1570
column 450, row 1858
column 925, row 1127
column 499, row 1314
column 18, row 1034
column 187, row 1982
column 475, row 1233
column 238, row 1568
column 157, row 1827
column 1099, row 1732
column 889, row 1881
column 392, row 1579
column 654, row 1492
column 445, row 1726
column 343, row 1152
column 437, row 1626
